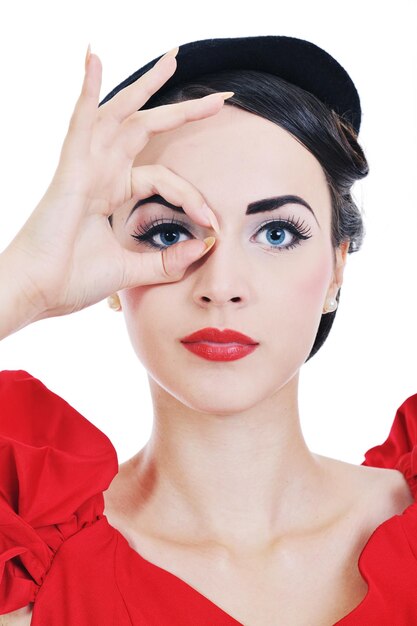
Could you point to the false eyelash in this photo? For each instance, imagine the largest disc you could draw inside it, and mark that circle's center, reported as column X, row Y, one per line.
column 297, row 227
column 142, row 232
column 145, row 232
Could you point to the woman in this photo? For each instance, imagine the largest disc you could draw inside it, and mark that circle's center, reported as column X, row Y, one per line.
column 224, row 516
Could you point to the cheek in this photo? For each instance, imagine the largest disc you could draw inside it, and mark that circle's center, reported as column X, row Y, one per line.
column 313, row 284
column 312, row 289
column 301, row 286
column 149, row 314
column 298, row 305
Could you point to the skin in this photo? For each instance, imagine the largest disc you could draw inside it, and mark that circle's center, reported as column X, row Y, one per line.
column 226, row 472
column 226, row 488
column 226, row 434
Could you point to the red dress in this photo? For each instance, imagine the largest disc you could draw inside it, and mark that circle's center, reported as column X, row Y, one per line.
column 58, row 550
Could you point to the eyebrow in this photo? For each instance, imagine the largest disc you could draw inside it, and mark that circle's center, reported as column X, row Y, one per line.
column 259, row 206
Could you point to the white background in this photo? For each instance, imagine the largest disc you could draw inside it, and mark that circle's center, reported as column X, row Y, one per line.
column 350, row 390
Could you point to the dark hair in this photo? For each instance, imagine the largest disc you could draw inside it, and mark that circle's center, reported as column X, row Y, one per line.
column 328, row 136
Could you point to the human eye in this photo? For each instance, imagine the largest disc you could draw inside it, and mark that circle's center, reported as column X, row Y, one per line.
column 166, row 229
column 298, row 230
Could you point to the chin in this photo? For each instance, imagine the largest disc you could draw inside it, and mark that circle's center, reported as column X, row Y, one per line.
column 219, row 392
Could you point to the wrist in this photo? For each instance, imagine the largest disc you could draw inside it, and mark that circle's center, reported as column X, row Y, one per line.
column 18, row 302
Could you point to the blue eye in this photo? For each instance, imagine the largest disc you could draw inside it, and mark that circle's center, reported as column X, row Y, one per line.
column 166, row 229
column 277, row 233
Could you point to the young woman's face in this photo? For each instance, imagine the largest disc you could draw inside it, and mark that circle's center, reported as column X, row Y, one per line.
column 259, row 279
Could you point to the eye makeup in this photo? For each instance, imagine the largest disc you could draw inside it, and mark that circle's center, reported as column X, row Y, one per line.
column 148, row 232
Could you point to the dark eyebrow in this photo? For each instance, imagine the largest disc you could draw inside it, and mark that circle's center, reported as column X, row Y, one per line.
column 260, row 206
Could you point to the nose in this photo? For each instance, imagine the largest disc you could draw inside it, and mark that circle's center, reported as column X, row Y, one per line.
column 221, row 277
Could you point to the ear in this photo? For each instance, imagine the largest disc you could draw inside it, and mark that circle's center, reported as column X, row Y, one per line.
column 341, row 253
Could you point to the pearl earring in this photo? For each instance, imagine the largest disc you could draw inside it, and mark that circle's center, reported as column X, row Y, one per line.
column 331, row 305
column 114, row 302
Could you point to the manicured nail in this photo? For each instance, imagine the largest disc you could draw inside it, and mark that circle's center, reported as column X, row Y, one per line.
column 211, row 218
column 227, row 94
column 223, row 94
column 87, row 56
column 171, row 53
column 209, row 241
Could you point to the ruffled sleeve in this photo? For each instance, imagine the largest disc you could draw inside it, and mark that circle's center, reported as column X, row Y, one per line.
column 54, row 467
column 399, row 450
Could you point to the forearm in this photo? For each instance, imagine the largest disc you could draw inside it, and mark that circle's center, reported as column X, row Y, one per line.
column 17, row 303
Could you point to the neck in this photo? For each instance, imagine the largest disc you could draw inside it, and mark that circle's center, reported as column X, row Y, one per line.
column 241, row 479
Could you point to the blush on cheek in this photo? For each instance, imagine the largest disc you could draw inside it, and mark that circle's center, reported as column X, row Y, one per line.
column 315, row 282
column 308, row 293
column 132, row 298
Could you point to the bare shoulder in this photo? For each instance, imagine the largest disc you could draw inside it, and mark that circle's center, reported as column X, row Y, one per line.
column 21, row 617
column 379, row 493
column 392, row 492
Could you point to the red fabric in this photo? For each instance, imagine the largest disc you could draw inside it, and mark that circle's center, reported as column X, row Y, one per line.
column 58, row 551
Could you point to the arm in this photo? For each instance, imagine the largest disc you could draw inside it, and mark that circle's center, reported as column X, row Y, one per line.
column 17, row 304
column 49, row 268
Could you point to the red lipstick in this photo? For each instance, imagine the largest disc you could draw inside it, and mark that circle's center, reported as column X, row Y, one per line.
column 219, row 345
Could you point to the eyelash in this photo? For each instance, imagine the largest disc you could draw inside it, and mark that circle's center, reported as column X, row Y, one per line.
column 299, row 229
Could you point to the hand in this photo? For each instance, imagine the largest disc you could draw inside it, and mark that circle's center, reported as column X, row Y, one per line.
column 66, row 257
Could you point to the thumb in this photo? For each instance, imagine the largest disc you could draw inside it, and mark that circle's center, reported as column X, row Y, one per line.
column 167, row 265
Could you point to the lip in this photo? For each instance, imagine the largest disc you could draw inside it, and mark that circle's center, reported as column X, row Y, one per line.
column 216, row 335
column 214, row 344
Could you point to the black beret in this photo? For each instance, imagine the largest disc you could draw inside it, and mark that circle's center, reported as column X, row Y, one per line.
column 295, row 60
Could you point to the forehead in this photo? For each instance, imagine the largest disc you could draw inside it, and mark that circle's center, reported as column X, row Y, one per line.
column 238, row 151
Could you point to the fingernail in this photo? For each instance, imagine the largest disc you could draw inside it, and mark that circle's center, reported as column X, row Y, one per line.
column 223, row 94
column 211, row 218
column 172, row 53
column 226, row 94
column 87, row 56
column 209, row 241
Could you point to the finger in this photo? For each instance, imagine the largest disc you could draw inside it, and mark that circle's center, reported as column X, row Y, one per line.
column 134, row 96
column 167, row 265
column 142, row 125
column 148, row 180
column 78, row 138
